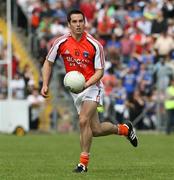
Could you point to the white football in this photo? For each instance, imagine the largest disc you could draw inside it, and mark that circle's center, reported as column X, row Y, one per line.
column 74, row 81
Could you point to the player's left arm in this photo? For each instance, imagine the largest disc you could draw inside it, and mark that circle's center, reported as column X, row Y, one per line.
column 99, row 64
column 95, row 77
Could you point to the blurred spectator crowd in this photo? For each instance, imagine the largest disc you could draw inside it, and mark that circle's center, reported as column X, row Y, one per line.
column 22, row 81
column 138, row 40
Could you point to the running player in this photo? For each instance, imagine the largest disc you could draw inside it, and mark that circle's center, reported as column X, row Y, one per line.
column 81, row 52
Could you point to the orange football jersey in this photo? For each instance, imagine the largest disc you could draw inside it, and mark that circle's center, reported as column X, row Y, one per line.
column 85, row 55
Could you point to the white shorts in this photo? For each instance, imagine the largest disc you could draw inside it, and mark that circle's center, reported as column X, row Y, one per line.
column 92, row 93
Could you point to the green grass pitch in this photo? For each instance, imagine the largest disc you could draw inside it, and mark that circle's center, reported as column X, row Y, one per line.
column 53, row 156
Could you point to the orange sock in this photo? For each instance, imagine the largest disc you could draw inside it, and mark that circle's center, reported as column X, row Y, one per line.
column 84, row 158
column 122, row 129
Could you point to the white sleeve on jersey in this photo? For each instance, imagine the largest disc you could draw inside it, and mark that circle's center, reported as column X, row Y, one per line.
column 99, row 61
column 51, row 56
column 99, row 58
column 53, row 52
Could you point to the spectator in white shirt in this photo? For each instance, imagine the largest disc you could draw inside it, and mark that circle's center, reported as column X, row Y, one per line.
column 36, row 103
column 18, row 86
column 145, row 25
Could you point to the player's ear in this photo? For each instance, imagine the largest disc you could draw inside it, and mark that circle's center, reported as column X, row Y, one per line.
column 68, row 24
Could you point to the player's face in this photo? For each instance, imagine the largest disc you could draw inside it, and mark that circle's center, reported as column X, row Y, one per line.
column 77, row 24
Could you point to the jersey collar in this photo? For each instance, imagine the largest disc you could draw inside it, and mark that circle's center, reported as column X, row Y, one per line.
column 83, row 36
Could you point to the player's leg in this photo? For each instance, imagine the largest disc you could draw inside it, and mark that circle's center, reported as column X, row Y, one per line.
column 106, row 128
column 102, row 129
column 88, row 109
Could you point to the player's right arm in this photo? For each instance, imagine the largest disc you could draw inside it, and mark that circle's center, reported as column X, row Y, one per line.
column 46, row 74
column 48, row 64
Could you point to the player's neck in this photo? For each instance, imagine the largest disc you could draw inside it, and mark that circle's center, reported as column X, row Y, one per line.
column 77, row 37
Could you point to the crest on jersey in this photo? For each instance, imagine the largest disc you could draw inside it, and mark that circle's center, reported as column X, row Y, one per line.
column 67, row 52
column 85, row 54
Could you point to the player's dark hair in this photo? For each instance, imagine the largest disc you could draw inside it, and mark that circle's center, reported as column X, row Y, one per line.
column 74, row 11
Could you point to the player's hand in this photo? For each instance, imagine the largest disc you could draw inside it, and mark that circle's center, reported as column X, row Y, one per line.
column 44, row 91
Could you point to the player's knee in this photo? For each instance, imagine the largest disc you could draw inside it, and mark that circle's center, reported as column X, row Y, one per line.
column 83, row 121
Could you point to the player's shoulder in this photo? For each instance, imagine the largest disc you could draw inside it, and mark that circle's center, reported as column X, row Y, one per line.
column 61, row 38
column 92, row 39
